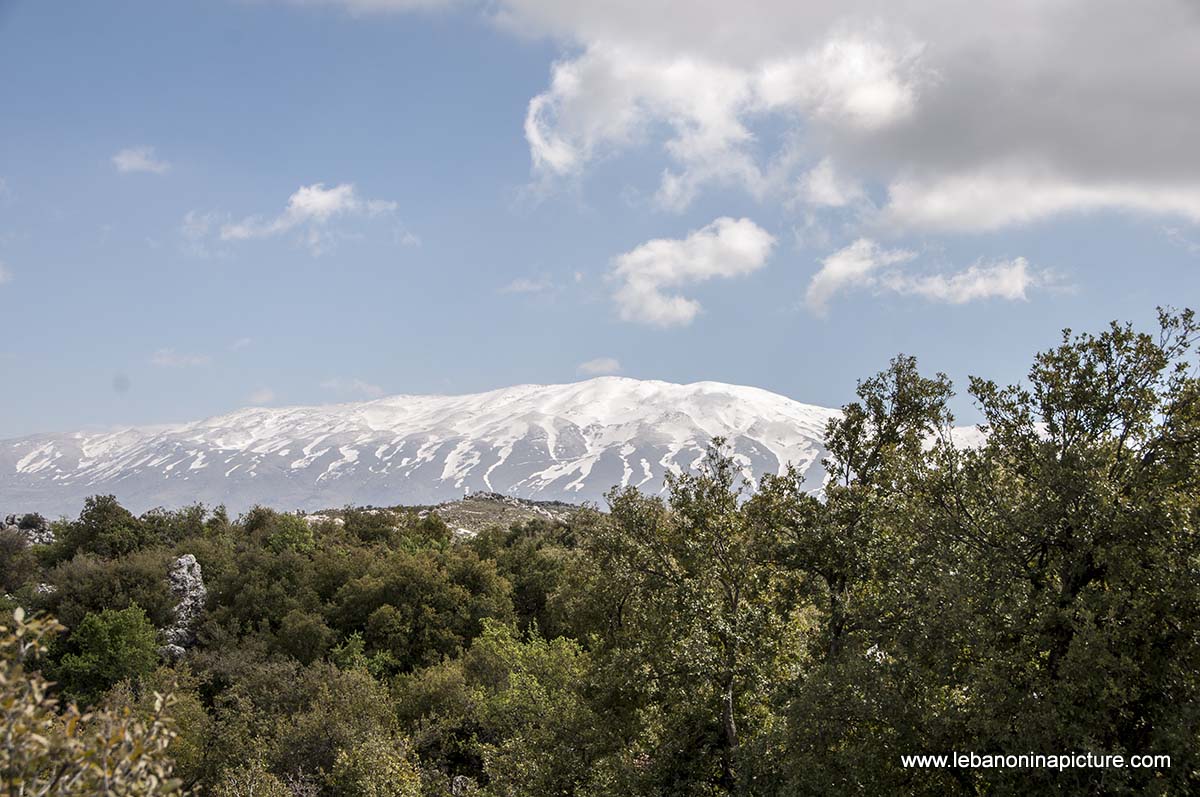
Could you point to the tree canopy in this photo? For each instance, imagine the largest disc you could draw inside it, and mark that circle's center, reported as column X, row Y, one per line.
column 1034, row 591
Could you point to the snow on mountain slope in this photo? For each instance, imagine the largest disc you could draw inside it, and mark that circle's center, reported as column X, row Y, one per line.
column 552, row 442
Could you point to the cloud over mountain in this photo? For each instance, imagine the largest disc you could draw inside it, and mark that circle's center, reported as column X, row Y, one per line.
column 965, row 116
column 649, row 274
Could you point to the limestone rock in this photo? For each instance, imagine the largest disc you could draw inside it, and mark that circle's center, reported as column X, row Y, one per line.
column 187, row 585
column 35, row 528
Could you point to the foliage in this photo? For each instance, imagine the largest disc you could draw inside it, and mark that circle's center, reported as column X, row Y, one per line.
column 106, row 648
column 1037, row 590
column 17, row 563
column 104, row 527
column 378, row 766
column 45, row 751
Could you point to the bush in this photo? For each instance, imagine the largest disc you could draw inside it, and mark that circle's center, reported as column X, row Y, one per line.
column 106, row 648
column 17, row 563
column 104, row 528
column 48, row 752
column 378, row 766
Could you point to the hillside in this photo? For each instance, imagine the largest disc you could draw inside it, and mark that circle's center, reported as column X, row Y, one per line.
column 568, row 442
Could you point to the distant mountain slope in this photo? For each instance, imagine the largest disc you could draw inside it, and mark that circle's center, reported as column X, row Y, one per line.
column 548, row 442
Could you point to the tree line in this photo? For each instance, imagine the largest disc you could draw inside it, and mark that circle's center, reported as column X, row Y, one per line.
column 1037, row 592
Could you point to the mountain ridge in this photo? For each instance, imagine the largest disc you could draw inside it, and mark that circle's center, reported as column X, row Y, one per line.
column 570, row 442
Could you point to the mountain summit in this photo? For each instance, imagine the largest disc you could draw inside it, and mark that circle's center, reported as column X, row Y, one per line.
column 549, row 442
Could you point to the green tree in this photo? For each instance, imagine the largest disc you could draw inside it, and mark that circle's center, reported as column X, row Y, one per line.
column 87, row 583
column 17, row 563
column 369, row 525
column 377, row 766
column 691, row 609
column 106, row 648
column 1072, row 581
column 251, row 780
column 303, row 636
column 289, row 533
column 104, row 528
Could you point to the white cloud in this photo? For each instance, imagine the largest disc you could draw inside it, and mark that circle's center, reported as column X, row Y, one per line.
column 1088, row 105
column 966, row 116
column 600, row 366
column 406, row 238
column 849, row 268
column 241, row 343
column 612, row 97
column 309, row 211
column 725, row 248
column 312, row 203
column 823, row 186
column 850, row 80
column 264, row 395
column 353, row 386
column 526, row 285
column 1183, row 241
column 5, row 274
column 169, row 358
column 139, row 159
column 992, row 198
column 864, row 265
column 196, row 225
column 1007, row 279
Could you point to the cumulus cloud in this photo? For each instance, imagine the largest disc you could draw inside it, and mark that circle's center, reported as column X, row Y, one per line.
column 169, row 358
column 993, row 198
column 309, row 212
column 824, row 186
column 865, row 265
column 615, row 96
column 311, row 204
column 1006, row 279
column 965, row 116
column 139, row 159
column 725, row 248
column 850, row 268
column 600, row 366
column 357, row 387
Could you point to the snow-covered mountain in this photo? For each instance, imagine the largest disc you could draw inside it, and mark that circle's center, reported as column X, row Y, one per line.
column 551, row 442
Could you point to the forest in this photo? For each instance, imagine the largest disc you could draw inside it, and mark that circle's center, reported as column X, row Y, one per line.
column 1036, row 593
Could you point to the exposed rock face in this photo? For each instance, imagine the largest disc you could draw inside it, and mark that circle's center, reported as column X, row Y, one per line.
column 34, row 527
column 480, row 511
column 187, row 585
column 461, row 786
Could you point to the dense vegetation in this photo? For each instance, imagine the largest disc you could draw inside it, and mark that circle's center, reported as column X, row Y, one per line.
column 1037, row 593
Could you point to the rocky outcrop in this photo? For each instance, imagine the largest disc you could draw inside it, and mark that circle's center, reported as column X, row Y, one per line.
column 462, row 786
column 187, row 585
column 35, row 528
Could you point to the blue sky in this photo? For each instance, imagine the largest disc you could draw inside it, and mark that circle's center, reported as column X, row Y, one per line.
column 211, row 204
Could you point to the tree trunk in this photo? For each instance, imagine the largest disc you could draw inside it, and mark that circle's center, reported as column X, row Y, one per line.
column 729, row 731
